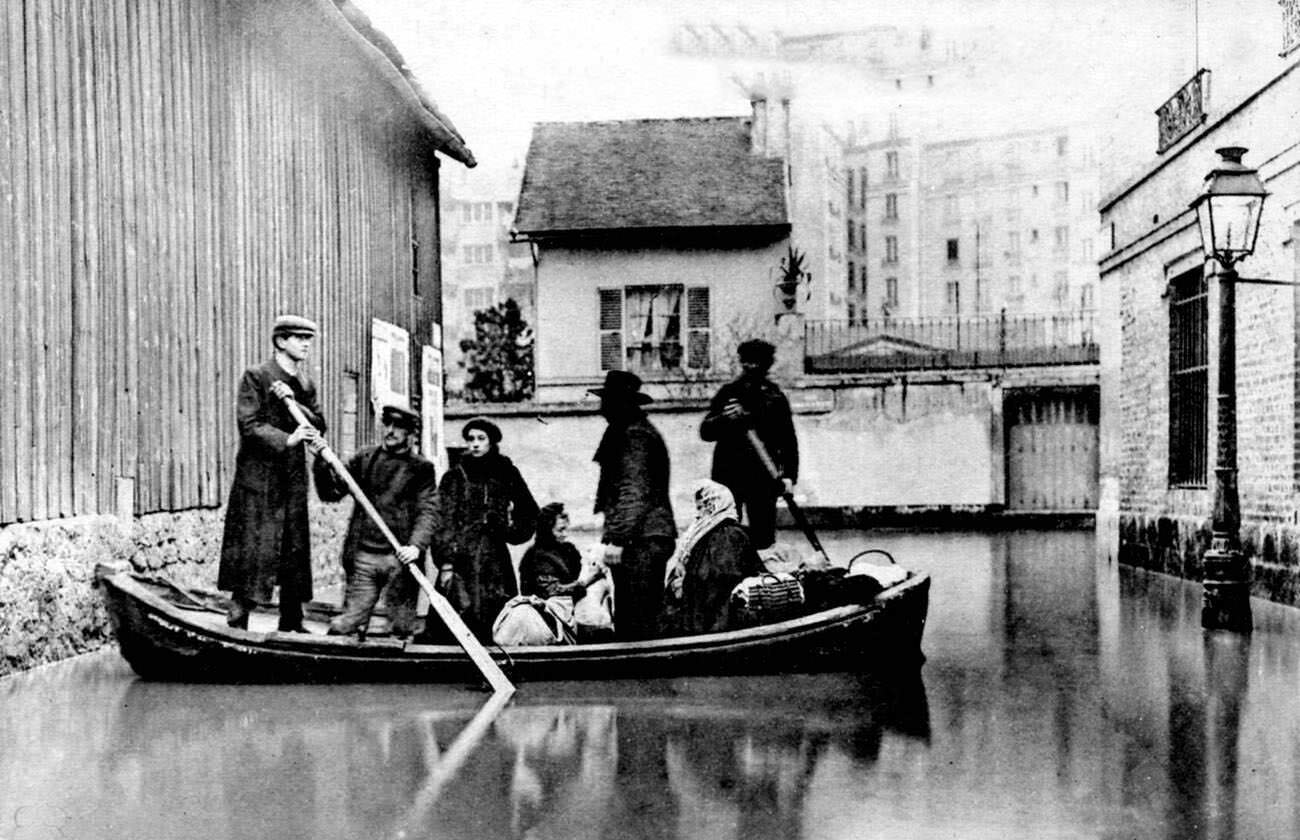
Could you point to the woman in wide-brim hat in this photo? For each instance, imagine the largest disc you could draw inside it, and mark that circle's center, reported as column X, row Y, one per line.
column 485, row 505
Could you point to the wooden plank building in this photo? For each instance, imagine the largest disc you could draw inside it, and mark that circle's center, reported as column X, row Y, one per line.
column 173, row 174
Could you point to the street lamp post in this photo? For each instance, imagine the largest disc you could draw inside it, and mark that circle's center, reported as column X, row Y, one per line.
column 1228, row 212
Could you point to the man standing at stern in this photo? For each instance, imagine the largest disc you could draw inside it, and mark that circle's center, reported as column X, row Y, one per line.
column 403, row 486
column 633, row 495
column 266, row 541
column 752, row 402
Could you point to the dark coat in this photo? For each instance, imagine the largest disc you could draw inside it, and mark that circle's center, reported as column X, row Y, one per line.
column 551, row 568
column 633, row 489
column 404, row 489
column 266, row 540
column 633, row 496
column 721, row 559
column 484, row 504
column 734, row 461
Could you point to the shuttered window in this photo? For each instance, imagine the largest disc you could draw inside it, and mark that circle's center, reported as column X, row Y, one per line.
column 698, row 326
column 640, row 328
column 611, row 329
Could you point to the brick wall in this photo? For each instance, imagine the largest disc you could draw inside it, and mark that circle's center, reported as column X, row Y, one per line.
column 1167, row 529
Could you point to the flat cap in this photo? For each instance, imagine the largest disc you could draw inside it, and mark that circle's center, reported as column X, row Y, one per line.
column 294, row 325
column 399, row 415
column 756, row 350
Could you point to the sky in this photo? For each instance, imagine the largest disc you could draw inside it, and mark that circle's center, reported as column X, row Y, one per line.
column 497, row 66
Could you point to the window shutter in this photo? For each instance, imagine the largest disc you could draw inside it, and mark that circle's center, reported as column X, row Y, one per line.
column 611, row 329
column 697, row 327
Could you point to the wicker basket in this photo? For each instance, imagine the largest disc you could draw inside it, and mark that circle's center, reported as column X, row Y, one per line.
column 766, row 599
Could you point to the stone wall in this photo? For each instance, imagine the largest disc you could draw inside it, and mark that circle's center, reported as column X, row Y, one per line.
column 864, row 444
column 1175, row 545
column 49, row 608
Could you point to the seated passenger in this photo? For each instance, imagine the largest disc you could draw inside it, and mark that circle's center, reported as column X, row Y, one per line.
column 713, row 556
column 553, row 565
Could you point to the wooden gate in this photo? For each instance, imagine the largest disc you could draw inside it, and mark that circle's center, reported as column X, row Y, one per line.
column 1051, row 449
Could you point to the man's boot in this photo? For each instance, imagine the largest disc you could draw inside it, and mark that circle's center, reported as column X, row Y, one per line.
column 291, row 617
column 237, row 615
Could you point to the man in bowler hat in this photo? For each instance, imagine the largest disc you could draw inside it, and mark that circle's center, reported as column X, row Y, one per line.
column 266, row 541
column 632, row 493
column 753, row 402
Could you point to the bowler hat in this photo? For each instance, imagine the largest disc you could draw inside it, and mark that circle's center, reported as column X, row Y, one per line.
column 622, row 384
column 294, row 325
column 397, row 415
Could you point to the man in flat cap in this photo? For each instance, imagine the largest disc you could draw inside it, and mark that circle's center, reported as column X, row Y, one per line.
column 266, row 542
column 403, row 486
column 752, row 401
column 632, row 493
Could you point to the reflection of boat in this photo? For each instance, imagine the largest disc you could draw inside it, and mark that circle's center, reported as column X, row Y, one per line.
column 167, row 632
column 691, row 757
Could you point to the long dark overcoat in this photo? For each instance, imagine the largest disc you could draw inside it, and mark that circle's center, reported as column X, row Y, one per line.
column 484, row 504
column 632, row 493
column 266, row 541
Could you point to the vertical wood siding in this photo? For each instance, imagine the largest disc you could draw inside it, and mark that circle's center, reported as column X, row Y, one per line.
column 173, row 174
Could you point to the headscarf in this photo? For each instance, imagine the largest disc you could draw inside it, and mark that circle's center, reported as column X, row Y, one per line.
column 714, row 505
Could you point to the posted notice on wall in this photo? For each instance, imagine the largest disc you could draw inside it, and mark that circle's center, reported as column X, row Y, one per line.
column 390, row 366
column 432, row 443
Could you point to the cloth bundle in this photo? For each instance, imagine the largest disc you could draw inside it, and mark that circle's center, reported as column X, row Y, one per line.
column 528, row 620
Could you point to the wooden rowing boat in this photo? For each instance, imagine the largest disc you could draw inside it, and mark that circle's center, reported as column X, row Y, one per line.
column 168, row 632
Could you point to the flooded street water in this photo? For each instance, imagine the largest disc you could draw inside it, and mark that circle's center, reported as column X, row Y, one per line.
column 1062, row 698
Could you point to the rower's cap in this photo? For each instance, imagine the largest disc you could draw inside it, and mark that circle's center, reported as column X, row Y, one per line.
column 294, row 325
column 400, row 415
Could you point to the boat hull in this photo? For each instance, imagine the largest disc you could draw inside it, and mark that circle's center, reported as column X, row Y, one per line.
column 162, row 640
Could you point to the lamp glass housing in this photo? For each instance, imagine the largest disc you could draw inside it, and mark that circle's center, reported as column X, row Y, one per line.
column 1229, row 209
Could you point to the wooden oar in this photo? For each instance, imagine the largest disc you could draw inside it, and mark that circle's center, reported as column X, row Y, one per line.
column 761, row 451
column 448, row 764
column 486, row 665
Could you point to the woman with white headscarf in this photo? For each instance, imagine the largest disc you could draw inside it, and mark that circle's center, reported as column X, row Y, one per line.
column 712, row 557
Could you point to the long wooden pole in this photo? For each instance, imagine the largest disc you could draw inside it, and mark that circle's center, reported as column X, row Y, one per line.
column 450, row 761
column 486, row 665
column 761, row 451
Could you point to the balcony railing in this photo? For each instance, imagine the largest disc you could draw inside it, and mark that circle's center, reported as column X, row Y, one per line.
column 953, row 341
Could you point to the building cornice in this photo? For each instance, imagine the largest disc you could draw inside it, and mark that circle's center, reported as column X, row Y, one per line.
column 1190, row 140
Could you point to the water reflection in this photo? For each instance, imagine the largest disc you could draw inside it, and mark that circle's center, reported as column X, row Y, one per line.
column 1062, row 697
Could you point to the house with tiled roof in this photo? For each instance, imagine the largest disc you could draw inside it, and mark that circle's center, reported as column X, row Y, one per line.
column 653, row 242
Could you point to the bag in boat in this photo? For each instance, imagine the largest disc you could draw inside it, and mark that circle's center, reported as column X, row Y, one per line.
column 528, row 620
column 859, row 583
column 766, row 598
column 886, row 574
column 824, row 588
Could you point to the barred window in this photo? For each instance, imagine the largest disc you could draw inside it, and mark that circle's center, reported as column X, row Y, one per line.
column 1188, row 380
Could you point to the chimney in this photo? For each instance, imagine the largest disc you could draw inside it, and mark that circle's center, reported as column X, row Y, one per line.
column 779, row 140
column 758, row 128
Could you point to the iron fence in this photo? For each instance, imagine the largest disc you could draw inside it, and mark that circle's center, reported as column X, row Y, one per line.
column 951, row 341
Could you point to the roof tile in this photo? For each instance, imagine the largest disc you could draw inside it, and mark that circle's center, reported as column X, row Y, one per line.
column 674, row 173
